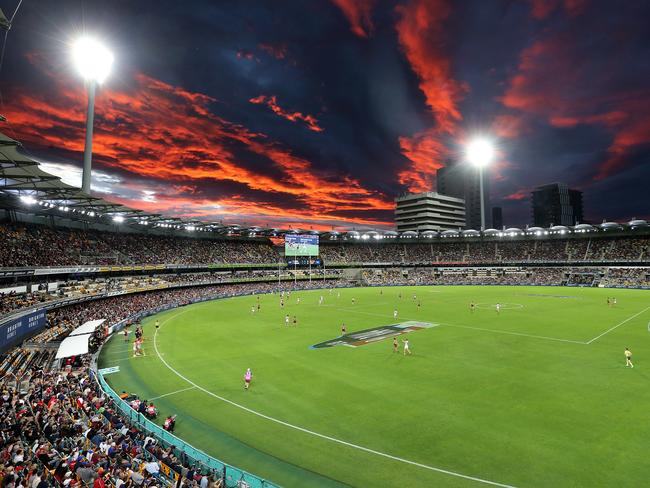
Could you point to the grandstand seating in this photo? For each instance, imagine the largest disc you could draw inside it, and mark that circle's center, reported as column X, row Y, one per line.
column 22, row 245
column 43, row 246
column 59, row 430
column 119, row 297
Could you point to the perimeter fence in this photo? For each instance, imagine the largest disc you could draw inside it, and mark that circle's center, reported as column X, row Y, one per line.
column 233, row 477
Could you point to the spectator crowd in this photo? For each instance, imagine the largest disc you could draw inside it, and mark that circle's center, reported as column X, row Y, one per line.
column 59, row 430
column 492, row 252
column 37, row 245
column 34, row 245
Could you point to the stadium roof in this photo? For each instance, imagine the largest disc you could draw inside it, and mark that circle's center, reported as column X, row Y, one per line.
column 24, row 182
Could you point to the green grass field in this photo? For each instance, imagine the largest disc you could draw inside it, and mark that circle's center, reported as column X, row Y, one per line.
column 536, row 396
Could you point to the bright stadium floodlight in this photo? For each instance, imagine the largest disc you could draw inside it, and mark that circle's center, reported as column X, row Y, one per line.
column 118, row 219
column 480, row 153
column 27, row 199
column 93, row 61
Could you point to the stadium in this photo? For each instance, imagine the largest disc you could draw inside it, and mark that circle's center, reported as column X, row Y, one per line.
column 143, row 345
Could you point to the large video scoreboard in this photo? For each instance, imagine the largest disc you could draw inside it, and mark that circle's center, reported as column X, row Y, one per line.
column 300, row 245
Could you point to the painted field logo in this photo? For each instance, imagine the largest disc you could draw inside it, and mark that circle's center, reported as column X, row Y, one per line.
column 367, row 336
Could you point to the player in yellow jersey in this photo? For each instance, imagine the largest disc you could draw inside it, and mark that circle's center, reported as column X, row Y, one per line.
column 628, row 358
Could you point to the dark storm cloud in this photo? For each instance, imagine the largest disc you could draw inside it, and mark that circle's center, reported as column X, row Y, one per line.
column 356, row 102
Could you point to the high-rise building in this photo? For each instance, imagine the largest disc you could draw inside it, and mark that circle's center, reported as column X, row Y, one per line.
column 497, row 217
column 462, row 181
column 556, row 204
column 420, row 212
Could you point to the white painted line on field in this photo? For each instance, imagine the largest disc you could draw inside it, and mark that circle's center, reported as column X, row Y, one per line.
column 307, row 431
column 618, row 325
column 514, row 333
column 475, row 328
column 172, row 393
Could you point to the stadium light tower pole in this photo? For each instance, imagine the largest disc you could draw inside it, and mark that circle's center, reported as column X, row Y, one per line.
column 480, row 153
column 93, row 61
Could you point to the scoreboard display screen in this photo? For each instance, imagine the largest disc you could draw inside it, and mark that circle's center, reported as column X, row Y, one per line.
column 300, row 245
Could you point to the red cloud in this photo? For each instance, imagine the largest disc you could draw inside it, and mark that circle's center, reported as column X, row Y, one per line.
column 629, row 136
column 243, row 54
column 359, row 14
column 278, row 51
column 518, row 195
column 241, row 211
column 507, row 126
column 575, row 95
column 421, row 37
column 426, row 152
column 543, row 8
column 272, row 103
column 163, row 131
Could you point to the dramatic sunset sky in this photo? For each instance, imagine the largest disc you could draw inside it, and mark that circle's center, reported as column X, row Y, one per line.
column 317, row 113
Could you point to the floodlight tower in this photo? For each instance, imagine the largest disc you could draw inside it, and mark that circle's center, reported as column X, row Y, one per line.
column 93, row 61
column 480, row 153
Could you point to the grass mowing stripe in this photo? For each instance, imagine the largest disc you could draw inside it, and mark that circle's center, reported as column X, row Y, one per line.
column 618, row 325
column 307, row 431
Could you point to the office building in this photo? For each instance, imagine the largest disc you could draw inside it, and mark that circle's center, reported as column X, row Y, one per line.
column 420, row 212
column 497, row 217
column 462, row 181
column 556, row 204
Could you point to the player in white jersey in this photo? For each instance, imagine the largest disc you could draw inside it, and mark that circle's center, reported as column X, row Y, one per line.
column 407, row 350
column 253, row 309
column 320, row 300
column 498, row 307
column 286, row 319
column 298, row 301
column 395, row 313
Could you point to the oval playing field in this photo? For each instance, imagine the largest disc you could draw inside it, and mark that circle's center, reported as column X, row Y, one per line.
column 536, row 395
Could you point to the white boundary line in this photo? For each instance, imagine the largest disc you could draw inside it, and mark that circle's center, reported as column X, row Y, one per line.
column 306, row 431
column 618, row 325
column 172, row 393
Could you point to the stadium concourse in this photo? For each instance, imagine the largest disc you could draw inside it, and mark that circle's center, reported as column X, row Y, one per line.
column 60, row 428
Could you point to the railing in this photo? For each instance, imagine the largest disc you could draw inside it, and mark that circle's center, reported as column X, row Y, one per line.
column 233, row 477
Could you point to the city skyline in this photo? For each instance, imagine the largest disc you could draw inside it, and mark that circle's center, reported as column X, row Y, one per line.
column 319, row 114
